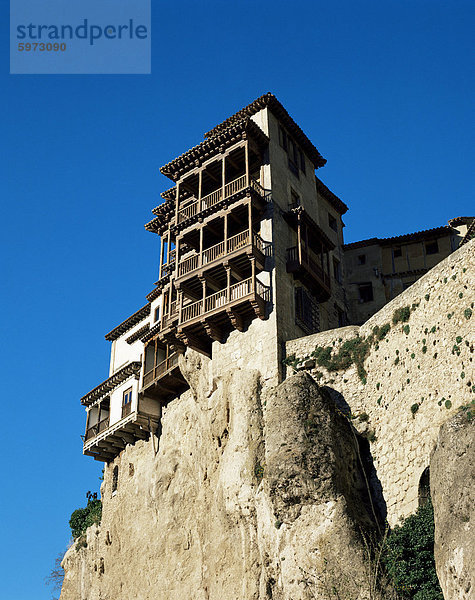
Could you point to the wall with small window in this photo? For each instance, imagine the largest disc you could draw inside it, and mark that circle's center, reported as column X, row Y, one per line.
column 123, row 352
column 124, row 394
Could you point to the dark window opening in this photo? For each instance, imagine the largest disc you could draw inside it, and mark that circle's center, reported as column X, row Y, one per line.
column 307, row 314
column 337, row 270
column 397, row 251
column 294, row 199
column 365, row 292
column 157, row 314
column 432, row 247
column 342, row 319
column 127, row 402
column 361, row 259
column 115, row 479
column 296, row 158
column 424, row 487
column 332, row 222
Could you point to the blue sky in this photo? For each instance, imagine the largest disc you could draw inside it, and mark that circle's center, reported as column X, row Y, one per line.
column 383, row 90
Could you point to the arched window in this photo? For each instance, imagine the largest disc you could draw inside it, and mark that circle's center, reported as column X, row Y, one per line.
column 115, row 480
column 424, row 487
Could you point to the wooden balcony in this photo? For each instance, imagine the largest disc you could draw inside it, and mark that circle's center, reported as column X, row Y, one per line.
column 104, row 441
column 308, row 268
column 210, row 201
column 241, row 243
column 95, row 430
column 209, row 319
column 164, row 381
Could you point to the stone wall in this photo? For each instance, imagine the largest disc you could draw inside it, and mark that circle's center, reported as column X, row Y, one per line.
column 416, row 377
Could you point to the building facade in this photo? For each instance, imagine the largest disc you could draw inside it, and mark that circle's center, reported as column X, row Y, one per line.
column 378, row 269
column 251, row 255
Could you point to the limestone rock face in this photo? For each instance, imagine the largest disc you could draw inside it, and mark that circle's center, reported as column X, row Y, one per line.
column 239, row 499
column 452, row 482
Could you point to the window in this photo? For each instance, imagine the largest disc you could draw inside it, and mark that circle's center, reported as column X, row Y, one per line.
column 115, row 480
column 424, row 487
column 397, row 251
column 342, row 320
column 337, row 270
column 294, row 199
column 127, row 402
column 307, row 314
column 295, row 156
column 365, row 292
column 432, row 247
column 157, row 314
column 361, row 259
column 332, row 222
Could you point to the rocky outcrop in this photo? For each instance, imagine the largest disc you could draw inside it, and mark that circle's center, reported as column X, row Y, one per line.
column 240, row 500
column 452, row 483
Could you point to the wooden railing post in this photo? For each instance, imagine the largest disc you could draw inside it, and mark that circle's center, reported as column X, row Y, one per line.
column 180, row 304
column 226, row 249
column 228, row 283
column 200, row 256
column 253, row 273
column 223, row 174
column 177, row 202
column 203, row 300
column 250, row 218
column 200, row 185
column 246, row 152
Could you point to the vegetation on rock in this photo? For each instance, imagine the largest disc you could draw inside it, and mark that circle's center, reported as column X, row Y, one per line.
column 82, row 518
column 409, row 556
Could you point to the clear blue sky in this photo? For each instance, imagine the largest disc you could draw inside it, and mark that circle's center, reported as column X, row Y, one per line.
column 383, row 89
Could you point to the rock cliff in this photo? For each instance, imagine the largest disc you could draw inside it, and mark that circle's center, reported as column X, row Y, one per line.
column 258, row 491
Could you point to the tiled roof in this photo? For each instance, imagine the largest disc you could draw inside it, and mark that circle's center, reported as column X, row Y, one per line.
column 114, row 380
column 138, row 316
column 270, row 101
column 337, row 204
column 408, row 237
column 211, row 146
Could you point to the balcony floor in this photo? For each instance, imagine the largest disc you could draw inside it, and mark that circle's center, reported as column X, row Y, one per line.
column 107, row 444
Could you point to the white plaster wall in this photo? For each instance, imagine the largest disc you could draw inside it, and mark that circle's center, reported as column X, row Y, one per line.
column 116, row 399
column 122, row 352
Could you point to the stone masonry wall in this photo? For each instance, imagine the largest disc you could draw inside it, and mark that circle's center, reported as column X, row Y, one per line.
column 415, row 378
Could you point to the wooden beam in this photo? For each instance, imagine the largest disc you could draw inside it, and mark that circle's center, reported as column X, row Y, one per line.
column 212, row 330
column 236, row 319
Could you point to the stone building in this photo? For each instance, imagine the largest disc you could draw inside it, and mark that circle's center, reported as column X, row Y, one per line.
column 378, row 269
column 251, row 256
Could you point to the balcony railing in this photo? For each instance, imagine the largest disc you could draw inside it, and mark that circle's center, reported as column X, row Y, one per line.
column 309, row 260
column 161, row 369
column 170, row 317
column 241, row 240
column 238, row 291
column 97, row 429
column 231, row 188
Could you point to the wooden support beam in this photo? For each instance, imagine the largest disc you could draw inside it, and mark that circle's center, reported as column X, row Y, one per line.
column 236, row 319
column 212, row 330
column 193, row 341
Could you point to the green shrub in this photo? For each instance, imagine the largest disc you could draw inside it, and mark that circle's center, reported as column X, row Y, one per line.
column 401, row 314
column 467, row 313
column 409, row 557
column 414, row 408
column 82, row 518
